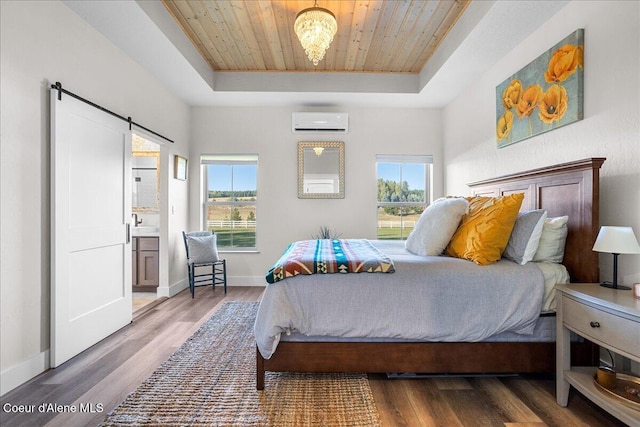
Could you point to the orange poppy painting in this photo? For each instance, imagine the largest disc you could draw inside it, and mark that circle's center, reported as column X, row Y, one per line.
column 544, row 95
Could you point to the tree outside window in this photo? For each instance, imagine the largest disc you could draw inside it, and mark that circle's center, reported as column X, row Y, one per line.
column 403, row 193
column 230, row 187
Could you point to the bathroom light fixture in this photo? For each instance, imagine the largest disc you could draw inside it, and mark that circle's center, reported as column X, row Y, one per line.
column 315, row 28
column 616, row 241
column 318, row 150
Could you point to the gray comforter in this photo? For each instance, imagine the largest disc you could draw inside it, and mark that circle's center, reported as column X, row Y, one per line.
column 426, row 299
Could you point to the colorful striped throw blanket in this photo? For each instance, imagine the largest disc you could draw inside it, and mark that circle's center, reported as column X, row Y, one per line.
column 329, row 256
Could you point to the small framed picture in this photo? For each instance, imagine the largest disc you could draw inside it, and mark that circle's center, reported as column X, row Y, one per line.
column 180, row 168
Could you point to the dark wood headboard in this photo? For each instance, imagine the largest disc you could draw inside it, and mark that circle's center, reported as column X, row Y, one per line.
column 571, row 189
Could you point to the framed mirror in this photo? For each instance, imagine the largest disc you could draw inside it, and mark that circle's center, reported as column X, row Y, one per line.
column 321, row 170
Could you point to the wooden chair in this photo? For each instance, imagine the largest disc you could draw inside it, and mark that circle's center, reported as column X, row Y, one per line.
column 202, row 253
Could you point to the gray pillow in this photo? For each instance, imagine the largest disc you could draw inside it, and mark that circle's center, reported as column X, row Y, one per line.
column 202, row 248
column 525, row 236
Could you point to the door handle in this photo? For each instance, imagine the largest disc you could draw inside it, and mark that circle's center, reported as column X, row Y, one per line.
column 128, row 233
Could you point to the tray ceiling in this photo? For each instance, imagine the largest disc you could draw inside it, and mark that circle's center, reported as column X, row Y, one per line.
column 377, row 36
column 486, row 32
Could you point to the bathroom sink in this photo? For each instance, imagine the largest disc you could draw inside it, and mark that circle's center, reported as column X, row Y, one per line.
column 145, row 230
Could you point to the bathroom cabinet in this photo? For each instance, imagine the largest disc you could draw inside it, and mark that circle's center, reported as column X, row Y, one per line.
column 145, row 263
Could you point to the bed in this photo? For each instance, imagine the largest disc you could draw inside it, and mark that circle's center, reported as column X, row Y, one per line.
column 570, row 189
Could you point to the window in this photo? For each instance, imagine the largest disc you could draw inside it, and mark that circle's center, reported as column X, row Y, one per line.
column 230, row 187
column 404, row 184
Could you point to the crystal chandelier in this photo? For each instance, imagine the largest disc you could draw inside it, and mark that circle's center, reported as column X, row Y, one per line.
column 315, row 28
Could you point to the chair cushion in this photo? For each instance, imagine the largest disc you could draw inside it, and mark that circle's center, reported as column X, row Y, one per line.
column 202, row 249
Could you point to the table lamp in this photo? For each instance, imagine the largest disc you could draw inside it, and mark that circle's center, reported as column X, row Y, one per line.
column 616, row 241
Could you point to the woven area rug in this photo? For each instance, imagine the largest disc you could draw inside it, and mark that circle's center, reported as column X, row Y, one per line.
column 210, row 381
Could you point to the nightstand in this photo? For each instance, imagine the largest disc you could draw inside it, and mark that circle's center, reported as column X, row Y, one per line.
column 607, row 317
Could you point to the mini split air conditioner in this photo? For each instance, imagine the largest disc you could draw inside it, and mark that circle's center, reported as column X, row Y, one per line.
column 320, row 122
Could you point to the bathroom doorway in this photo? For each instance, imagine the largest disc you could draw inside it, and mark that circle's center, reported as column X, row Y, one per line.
column 145, row 221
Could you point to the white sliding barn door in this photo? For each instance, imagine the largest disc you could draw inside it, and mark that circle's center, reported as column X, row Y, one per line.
column 90, row 215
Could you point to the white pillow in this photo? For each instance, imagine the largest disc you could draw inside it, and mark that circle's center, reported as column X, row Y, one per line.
column 203, row 249
column 436, row 226
column 525, row 236
column 552, row 240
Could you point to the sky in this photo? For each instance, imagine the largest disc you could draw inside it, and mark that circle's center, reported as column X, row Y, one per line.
column 244, row 177
column 413, row 173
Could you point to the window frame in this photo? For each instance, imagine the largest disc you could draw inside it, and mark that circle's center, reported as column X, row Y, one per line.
column 403, row 159
column 228, row 160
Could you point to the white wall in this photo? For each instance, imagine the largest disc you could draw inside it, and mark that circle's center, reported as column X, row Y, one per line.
column 41, row 43
column 44, row 42
column 282, row 217
column 611, row 125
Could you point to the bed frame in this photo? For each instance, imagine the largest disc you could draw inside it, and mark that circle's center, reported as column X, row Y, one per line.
column 564, row 189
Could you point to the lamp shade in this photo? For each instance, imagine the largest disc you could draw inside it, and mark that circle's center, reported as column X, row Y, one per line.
column 616, row 240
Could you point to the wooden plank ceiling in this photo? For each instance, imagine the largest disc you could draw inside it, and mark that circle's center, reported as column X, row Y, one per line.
column 378, row 36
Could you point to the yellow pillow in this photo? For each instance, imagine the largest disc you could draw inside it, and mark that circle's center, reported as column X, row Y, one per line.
column 484, row 231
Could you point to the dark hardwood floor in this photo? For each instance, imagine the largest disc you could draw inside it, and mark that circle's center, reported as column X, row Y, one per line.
column 102, row 376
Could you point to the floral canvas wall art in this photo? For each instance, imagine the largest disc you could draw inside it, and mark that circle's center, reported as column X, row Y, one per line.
column 544, row 95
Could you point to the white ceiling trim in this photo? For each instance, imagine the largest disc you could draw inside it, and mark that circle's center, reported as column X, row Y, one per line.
column 315, row 82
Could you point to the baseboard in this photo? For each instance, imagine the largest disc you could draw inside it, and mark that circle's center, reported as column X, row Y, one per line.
column 23, row 372
column 173, row 289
